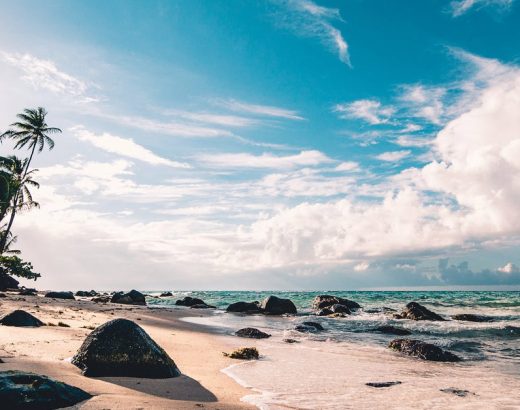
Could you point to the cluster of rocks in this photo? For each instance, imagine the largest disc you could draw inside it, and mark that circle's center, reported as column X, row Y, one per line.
column 60, row 295
column 271, row 305
column 327, row 305
column 87, row 293
column 415, row 311
column 193, row 303
column 133, row 297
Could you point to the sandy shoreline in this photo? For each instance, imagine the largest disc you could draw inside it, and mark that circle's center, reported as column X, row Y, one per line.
column 197, row 353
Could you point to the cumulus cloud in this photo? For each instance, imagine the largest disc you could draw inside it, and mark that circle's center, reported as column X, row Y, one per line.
column 509, row 268
column 371, row 111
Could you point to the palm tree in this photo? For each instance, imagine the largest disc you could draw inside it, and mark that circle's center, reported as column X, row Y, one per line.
column 31, row 132
column 21, row 198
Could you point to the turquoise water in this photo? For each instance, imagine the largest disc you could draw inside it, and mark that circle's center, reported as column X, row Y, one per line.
column 495, row 343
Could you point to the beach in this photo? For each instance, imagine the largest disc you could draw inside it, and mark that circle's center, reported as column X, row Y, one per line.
column 313, row 373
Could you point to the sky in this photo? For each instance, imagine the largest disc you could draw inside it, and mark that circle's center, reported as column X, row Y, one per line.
column 269, row 144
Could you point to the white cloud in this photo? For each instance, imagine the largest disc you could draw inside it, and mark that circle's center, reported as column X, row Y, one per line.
column 212, row 118
column 412, row 141
column 393, row 156
column 509, row 268
column 347, row 166
column 362, row 266
column 262, row 110
column 425, row 102
column 307, row 19
column 124, row 147
column 43, row 74
column 246, row 160
column 371, row 111
column 460, row 7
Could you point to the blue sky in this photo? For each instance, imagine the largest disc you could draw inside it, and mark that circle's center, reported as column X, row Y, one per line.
column 270, row 144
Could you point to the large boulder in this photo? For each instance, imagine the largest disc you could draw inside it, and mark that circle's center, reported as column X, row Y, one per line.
column 244, row 307
column 415, row 311
column 252, row 333
column 122, row 348
column 87, row 293
column 60, row 295
column 189, row 301
column 131, row 298
column 20, row 318
column 273, row 305
column 324, row 301
column 422, row 350
column 8, row 282
column 23, row 390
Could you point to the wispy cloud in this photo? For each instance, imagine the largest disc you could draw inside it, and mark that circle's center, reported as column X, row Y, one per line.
column 212, row 118
column 246, row 160
column 261, row 110
column 308, row 19
column 460, row 7
column 124, row 147
column 371, row 111
column 393, row 156
column 424, row 102
column 44, row 74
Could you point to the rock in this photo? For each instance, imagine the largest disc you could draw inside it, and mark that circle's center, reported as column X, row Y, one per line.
column 131, row 298
column 28, row 292
column 337, row 308
column 60, row 295
column 273, row 305
column 244, row 307
column 244, row 353
column 252, row 333
column 24, row 390
column 166, row 294
column 323, row 301
column 101, row 299
column 7, row 282
column 392, row 330
column 3, row 295
column 469, row 317
column 87, row 293
column 309, row 327
column 457, row 392
column 20, row 318
column 202, row 306
column 189, row 301
column 290, row 341
column 383, row 309
column 415, row 311
column 383, row 384
column 422, row 350
column 122, row 348
column 324, row 312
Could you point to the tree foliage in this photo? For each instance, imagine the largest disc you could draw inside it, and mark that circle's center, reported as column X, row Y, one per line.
column 15, row 266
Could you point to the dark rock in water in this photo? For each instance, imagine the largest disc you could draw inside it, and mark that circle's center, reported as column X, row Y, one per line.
column 415, row 311
column 457, row 392
column 323, row 301
column 290, row 341
column 273, row 305
column 309, row 327
column 512, row 330
column 86, row 293
column 101, row 299
column 244, row 353
column 166, row 294
column 8, row 282
column 122, row 348
column 383, row 309
column 252, row 333
column 28, row 292
column 383, row 384
column 324, row 312
column 189, row 301
column 3, row 295
column 392, row 330
column 24, row 390
column 422, row 350
column 337, row 308
column 202, row 306
column 60, row 295
column 244, row 307
column 20, row 318
column 131, row 298
column 469, row 317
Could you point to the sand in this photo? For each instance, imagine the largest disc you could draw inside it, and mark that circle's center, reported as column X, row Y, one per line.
column 195, row 349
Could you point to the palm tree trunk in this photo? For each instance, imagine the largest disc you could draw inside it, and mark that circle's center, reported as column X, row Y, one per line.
column 29, row 161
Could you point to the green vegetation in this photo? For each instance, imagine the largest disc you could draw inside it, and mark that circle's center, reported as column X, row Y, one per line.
column 16, row 181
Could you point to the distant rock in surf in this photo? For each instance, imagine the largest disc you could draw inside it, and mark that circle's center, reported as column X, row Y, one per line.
column 244, row 307
column 133, row 297
column 469, row 317
column 27, row 292
column 121, row 348
column 273, row 305
column 309, row 327
column 392, row 330
column 415, row 311
column 60, row 295
column 383, row 309
column 24, row 390
column 20, row 318
column 252, row 333
column 87, row 293
column 383, row 384
column 189, row 301
column 202, row 306
column 423, row 350
column 166, row 294
column 326, row 301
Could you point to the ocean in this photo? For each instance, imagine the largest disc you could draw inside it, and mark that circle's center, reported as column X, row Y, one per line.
column 491, row 347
